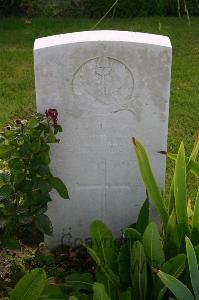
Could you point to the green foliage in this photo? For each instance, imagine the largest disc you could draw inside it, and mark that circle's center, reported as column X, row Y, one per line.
column 179, row 289
column 139, row 270
column 25, row 176
column 179, row 217
column 149, row 181
column 153, row 246
column 146, row 264
column 30, row 286
column 94, row 8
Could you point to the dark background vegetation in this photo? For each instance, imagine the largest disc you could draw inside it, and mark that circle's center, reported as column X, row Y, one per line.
column 96, row 8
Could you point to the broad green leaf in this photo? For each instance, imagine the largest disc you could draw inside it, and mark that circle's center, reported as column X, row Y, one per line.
column 80, row 281
column 30, row 286
column 60, row 187
column 127, row 295
column 180, row 290
column 153, row 245
column 180, row 189
column 195, row 221
column 80, row 296
column 52, row 292
column 99, row 292
column 193, row 267
column 123, row 264
column 103, row 244
column 44, row 224
column 73, row 298
column 174, row 266
column 131, row 235
column 44, row 157
column 139, row 270
column 143, row 217
column 110, row 288
column 149, row 181
column 112, row 277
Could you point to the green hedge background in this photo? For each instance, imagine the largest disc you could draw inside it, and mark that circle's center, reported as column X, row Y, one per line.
column 97, row 8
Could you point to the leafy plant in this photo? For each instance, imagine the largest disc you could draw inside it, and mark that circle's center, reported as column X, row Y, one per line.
column 25, row 176
column 179, row 216
column 179, row 289
column 146, row 264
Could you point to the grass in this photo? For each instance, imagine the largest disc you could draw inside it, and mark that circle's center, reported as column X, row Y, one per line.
column 17, row 94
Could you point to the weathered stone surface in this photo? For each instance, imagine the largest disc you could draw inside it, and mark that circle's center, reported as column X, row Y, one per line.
column 107, row 86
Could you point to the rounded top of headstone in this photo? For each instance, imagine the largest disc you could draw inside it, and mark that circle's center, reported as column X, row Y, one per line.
column 102, row 35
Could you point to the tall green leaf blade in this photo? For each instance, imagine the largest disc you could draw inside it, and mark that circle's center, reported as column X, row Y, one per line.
column 171, row 202
column 103, row 244
column 193, row 267
column 174, row 266
column 192, row 166
column 143, row 217
column 139, row 270
column 180, row 290
column 171, row 241
column 149, row 181
column 123, row 264
column 180, row 190
column 153, row 245
column 30, row 286
column 195, row 222
column 111, row 276
column 99, row 292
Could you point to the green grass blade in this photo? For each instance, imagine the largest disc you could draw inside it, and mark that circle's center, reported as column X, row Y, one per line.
column 180, row 290
column 180, row 189
column 193, row 267
column 149, row 180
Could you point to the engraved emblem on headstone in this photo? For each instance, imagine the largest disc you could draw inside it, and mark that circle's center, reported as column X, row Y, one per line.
column 106, row 80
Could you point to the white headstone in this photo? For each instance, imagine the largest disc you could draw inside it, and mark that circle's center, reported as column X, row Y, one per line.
column 108, row 86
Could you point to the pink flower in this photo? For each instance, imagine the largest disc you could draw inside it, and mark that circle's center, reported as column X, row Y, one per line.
column 52, row 116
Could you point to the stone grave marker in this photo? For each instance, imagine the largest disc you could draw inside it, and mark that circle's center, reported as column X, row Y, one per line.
column 107, row 86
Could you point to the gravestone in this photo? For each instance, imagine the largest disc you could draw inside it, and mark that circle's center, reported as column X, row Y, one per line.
column 108, row 86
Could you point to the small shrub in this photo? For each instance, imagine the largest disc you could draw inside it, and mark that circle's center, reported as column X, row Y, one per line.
column 25, row 176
